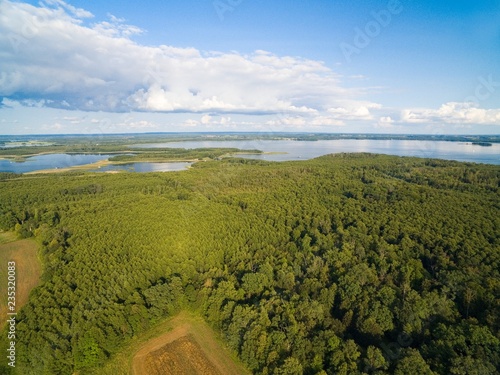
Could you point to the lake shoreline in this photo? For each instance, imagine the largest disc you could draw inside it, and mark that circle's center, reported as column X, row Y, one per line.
column 269, row 150
column 103, row 163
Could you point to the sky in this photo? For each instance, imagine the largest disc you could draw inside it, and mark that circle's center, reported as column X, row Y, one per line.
column 333, row 66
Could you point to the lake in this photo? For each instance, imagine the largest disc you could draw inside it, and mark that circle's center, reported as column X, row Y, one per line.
column 300, row 150
column 288, row 150
column 49, row 161
column 145, row 167
column 60, row 161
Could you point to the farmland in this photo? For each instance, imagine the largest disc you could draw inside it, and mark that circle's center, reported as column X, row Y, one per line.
column 28, row 269
column 190, row 347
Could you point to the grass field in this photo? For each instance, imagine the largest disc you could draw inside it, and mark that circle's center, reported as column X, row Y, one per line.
column 6, row 237
column 28, row 270
column 184, row 344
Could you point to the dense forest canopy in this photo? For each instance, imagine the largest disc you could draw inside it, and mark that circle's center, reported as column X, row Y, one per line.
column 345, row 264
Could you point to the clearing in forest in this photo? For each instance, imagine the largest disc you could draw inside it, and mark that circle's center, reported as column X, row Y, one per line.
column 28, row 271
column 189, row 348
column 6, row 237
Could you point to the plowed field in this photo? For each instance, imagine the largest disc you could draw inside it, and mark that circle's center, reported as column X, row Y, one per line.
column 189, row 348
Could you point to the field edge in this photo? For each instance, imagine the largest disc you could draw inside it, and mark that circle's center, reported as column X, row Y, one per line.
column 122, row 362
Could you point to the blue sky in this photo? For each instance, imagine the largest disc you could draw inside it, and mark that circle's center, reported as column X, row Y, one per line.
column 394, row 66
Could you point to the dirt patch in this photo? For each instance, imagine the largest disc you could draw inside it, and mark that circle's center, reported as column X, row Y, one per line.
column 183, row 356
column 189, row 348
column 28, row 271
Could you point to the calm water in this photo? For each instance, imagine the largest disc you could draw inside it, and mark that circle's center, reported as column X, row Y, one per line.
column 51, row 161
column 289, row 150
column 299, row 150
column 60, row 161
column 145, row 167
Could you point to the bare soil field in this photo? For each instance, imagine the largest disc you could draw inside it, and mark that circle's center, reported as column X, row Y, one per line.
column 183, row 356
column 28, row 271
column 189, row 348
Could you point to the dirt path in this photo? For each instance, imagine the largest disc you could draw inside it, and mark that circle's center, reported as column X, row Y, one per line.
column 190, row 347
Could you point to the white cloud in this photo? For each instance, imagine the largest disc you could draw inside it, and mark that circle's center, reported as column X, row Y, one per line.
column 116, row 28
column 11, row 103
column 53, row 127
column 77, row 12
column 190, row 123
column 354, row 111
column 385, row 122
column 141, row 124
column 327, row 121
column 99, row 67
column 73, row 119
column 215, row 120
column 453, row 113
column 57, row 56
column 303, row 122
column 205, row 119
column 289, row 120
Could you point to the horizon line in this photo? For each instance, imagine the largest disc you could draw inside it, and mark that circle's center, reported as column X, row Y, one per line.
column 250, row 132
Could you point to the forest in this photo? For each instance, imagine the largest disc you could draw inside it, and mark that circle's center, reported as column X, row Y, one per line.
column 344, row 264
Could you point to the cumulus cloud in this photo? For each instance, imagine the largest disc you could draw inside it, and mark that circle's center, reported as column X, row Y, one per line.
column 51, row 53
column 190, row 123
column 59, row 56
column 354, row 111
column 116, row 27
column 326, row 121
column 217, row 120
column 284, row 122
column 453, row 113
column 77, row 12
column 385, row 122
